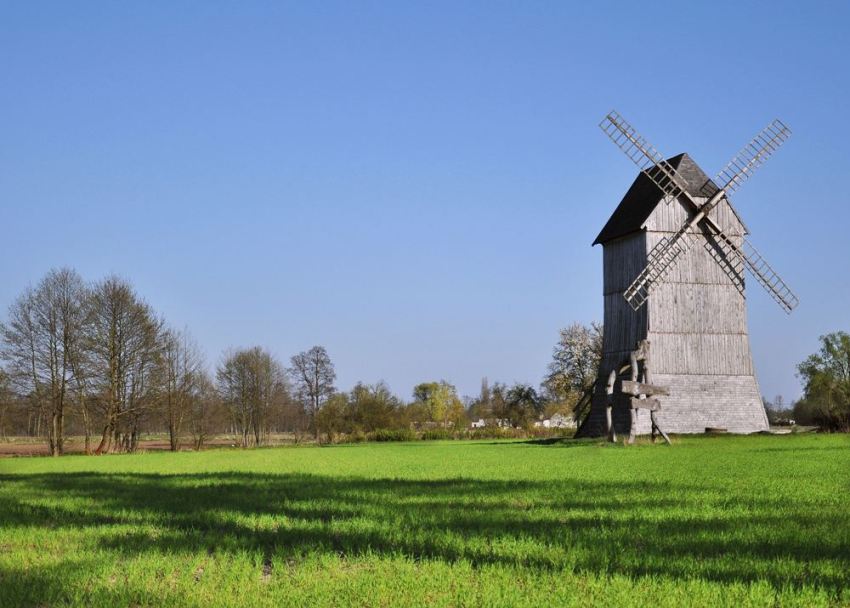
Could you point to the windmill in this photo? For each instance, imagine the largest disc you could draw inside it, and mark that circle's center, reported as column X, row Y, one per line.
column 674, row 254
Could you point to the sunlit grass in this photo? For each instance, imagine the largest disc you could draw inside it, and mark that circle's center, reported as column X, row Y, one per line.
column 710, row 521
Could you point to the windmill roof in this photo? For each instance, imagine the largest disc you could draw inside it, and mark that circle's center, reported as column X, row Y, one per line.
column 644, row 196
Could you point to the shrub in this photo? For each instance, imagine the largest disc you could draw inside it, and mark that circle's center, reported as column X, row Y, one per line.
column 392, row 435
column 357, row 436
column 437, row 434
column 493, row 432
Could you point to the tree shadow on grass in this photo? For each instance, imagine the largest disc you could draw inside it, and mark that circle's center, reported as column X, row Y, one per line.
column 562, row 442
column 27, row 586
column 646, row 528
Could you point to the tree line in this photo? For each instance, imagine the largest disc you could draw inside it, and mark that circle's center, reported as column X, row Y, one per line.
column 825, row 376
column 96, row 360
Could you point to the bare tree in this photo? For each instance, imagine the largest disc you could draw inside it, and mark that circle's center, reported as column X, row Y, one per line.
column 181, row 375
column 205, row 412
column 6, row 402
column 252, row 384
column 125, row 347
column 82, row 366
column 294, row 419
column 314, row 375
column 41, row 342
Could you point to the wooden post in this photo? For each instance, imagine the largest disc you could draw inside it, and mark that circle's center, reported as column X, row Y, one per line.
column 609, row 419
column 647, row 379
column 640, row 388
column 655, row 427
column 633, row 360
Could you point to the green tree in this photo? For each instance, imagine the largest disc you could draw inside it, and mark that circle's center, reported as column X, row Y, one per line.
column 373, row 407
column 826, row 384
column 332, row 418
column 440, row 401
column 522, row 405
column 482, row 406
column 499, row 403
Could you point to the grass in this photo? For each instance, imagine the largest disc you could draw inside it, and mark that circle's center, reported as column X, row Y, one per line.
column 711, row 521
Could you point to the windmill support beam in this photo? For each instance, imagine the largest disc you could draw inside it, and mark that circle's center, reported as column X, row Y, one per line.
column 639, row 387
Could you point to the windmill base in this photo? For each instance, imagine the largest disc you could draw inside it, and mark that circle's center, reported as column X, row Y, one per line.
column 696, row 402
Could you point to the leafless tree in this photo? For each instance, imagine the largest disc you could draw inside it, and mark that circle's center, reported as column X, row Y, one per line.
column 6, row 402
column 83, row 371
column 181, row 375
column 294, row 419
column 125, row 347
column 252, row 383
column 42, row 340
column 314, row 375
column 206, row 412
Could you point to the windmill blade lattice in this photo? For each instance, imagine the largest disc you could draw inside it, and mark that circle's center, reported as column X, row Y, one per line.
column 772, row 282
column 753, row 156
column 659, row 262
column 650, row 161
column 643, row 154
column 662, row 258
column 728, row 257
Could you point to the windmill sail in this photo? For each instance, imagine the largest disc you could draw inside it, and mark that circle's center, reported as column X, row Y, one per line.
column 665, row 254
column 772, row 282
column 753, row 156
column 727, row 256
column 643, row 154
column 662, row 258
column 659, row 262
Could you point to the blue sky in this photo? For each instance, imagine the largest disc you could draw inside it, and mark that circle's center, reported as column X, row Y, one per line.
column 414, row 186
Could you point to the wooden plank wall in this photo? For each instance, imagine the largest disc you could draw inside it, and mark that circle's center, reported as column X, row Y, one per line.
column 670, row 217
column 622, row 260
column 699, row 401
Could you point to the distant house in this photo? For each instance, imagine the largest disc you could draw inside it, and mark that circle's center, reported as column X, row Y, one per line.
column 558, row 421
column 502, row 423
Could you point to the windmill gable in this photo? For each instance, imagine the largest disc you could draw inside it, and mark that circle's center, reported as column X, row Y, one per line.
column 669, row 217
column 643, row 208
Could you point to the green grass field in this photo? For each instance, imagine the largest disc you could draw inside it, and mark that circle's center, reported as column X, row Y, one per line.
column 710, row 521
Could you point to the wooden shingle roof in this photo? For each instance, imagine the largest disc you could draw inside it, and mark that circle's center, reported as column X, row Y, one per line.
column 644, row 195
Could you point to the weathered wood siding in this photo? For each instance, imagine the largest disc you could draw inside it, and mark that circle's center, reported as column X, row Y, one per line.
column 698, row 401
column 670, row 217
column 697, row 327
column 622, row 260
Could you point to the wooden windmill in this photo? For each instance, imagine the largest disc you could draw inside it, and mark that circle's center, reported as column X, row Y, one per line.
column 674, row 252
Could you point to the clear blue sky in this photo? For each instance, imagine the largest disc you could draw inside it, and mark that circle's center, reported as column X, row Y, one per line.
column 414, row 187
